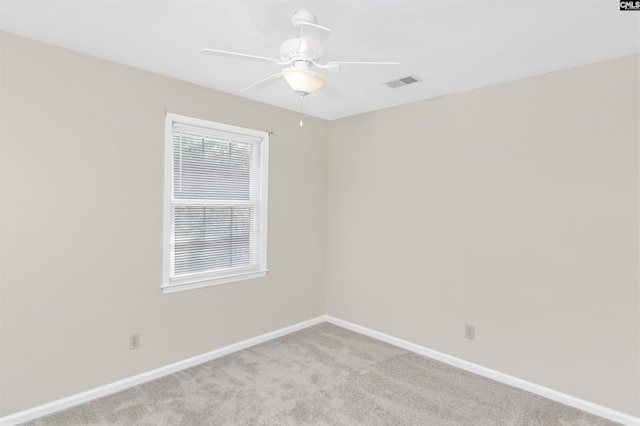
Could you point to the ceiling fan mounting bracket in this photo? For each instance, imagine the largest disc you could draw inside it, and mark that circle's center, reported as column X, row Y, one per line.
column 301, row 17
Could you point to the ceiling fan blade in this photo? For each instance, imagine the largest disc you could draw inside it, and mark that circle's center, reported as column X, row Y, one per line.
column 263, row 83
column 350, row 66
column 331, row 92
column 312, row 38
column 240, row 56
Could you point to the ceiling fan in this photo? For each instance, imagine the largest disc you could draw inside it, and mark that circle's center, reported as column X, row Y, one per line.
column 299, row 55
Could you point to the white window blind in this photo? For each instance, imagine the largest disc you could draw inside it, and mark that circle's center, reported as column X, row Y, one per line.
column 216, row 209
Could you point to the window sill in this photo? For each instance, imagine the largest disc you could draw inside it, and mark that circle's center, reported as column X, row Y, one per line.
column 176, row 288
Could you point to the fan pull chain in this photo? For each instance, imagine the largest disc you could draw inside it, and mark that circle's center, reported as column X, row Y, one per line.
column 303, row 110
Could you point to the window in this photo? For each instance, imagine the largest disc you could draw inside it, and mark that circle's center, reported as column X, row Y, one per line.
column 215, row 203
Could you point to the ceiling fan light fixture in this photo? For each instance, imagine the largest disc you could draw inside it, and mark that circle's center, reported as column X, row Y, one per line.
column 303, row 81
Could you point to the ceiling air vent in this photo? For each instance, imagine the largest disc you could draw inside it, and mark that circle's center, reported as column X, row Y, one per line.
column 402, row 81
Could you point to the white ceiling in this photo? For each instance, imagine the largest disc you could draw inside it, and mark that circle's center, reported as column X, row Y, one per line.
column 451, row 45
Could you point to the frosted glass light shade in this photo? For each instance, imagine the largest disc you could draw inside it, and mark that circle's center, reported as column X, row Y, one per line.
column 303, row 81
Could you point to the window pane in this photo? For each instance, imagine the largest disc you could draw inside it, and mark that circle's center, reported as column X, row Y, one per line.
column 208, row 168
column 211, row 237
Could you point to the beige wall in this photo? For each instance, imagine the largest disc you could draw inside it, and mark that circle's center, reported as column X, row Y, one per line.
column 82, row 187
column 513, row 208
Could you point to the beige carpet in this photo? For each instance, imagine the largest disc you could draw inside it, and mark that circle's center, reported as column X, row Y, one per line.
column 323, row 375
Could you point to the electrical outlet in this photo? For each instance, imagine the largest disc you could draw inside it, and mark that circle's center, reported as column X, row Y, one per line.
column 470, row 331
column 134, row 341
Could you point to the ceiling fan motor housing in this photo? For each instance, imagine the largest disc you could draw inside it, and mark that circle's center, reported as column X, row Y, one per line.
column 289, row 53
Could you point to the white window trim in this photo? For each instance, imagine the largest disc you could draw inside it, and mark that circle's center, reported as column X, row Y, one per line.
column 221, row 277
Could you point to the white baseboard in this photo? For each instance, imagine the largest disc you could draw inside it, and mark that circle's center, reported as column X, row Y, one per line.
column 61, row 404
column 563, row 398
column 70, row 401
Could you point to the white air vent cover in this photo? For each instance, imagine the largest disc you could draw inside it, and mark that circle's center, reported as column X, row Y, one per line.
column 402, row 81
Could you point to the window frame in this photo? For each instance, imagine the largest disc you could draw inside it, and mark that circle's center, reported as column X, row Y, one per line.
column 182, row 283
